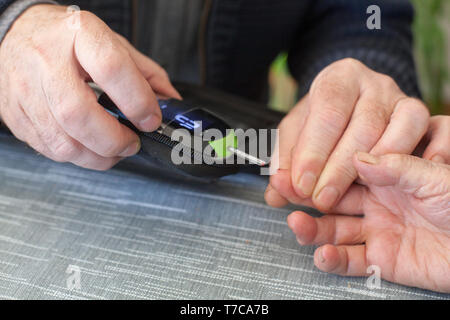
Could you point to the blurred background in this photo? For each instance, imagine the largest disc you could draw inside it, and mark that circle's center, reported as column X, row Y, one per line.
column 432, row 52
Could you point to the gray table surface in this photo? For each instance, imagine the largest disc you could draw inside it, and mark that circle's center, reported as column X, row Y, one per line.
column 137, row 234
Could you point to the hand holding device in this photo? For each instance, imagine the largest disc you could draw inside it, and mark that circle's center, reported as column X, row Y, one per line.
column 45, row 68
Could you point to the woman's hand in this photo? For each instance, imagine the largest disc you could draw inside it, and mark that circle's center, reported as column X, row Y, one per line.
column 405, row 230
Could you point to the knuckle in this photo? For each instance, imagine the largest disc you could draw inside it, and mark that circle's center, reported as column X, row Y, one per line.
column 374, row 114
column 87, row 18
column 345, row 66
column 70, row 115
column 332, row 118
column 372, row 120
column 329, row 89
column 63, row 149
column 336, row 83
column 419, row 108
column 416, row 110
column 112, row 148
column 349, row 63
column 387, row 82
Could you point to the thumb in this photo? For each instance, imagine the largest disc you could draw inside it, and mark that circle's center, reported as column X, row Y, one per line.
column 409, row 173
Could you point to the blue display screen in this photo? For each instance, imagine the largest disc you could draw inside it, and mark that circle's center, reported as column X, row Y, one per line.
column 178, row 116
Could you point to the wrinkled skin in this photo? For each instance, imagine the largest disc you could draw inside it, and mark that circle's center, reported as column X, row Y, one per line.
column 46, row 61
column 405, row 229
column 349, row 108
column 404, row 201
column 397, row 217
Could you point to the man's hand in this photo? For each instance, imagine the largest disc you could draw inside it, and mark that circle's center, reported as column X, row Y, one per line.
column 45, row 100
column 405, row 229
column 349, row 108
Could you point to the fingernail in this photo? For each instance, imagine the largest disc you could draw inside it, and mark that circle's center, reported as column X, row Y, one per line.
column 328, row 197
column 151, row 123
column 321, row 257
column 307, row 182
column 300, row 241
column 290, row 222
column 132, row 150
column 437, row 158
column 368, row 158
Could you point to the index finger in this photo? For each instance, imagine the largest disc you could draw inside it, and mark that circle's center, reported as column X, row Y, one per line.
column 289, row 129
column 332, row 100
column 109, row 64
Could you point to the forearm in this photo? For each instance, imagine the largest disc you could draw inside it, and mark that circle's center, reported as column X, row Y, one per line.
column 10, row 10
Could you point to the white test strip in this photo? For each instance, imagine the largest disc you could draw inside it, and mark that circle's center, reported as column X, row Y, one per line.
column 248, row 157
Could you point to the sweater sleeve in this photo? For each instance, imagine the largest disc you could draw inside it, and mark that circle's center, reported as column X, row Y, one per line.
column 10, row 10
column 337, row 29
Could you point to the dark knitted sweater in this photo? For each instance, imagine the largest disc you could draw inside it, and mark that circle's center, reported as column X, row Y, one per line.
column 242, row 38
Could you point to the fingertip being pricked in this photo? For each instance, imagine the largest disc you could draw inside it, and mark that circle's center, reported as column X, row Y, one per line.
column 273, row 198
column 303, row 226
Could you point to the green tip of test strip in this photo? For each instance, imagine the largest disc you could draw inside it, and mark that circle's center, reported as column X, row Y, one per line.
column 222, row 146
